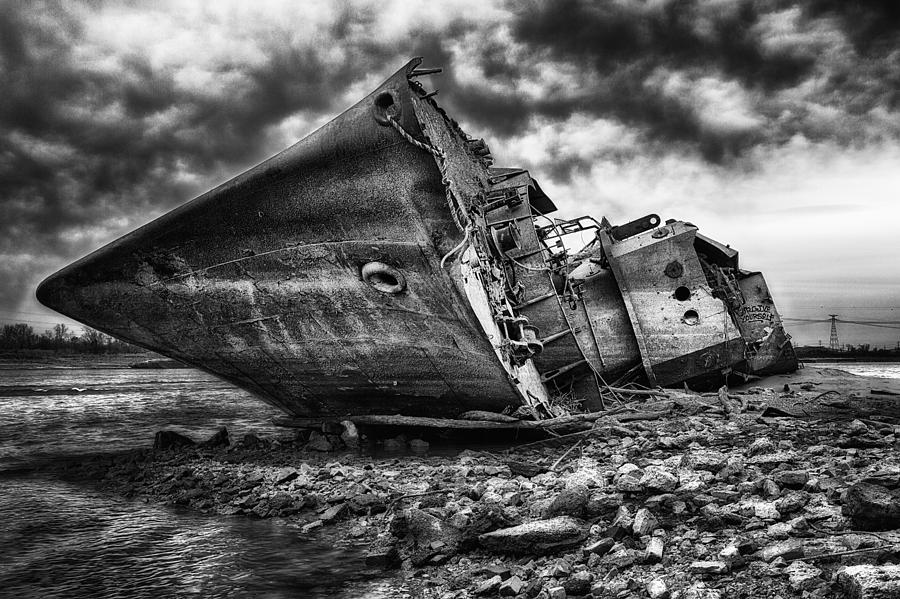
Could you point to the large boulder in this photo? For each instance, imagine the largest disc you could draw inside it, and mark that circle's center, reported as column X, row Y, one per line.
column 165, row 440
column 572, row 501
column 870, row 582
column 540, row 537
column 872, row 507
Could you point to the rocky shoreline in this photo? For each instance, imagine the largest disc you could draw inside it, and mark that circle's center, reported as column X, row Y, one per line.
column 703, row 502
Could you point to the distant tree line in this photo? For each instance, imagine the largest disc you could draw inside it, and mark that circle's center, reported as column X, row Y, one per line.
column 21, row 336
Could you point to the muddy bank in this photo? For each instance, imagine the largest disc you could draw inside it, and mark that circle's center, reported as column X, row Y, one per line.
column 706, row 500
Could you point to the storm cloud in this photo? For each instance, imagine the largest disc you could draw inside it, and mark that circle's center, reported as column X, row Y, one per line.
column 115, row 112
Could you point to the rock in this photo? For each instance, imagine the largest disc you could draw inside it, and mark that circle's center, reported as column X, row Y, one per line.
column 792, row 502
column 628, row 478
column 422, row 527
column 872, row 507
column 556, row 593
column 335, row 512
column 658, row 479
column 699, row 590
column 384, row 558
column 511, row 587
column 349, row 434
column 792, row 479
column 251, row 441
column 760, row 446
column 601, row 547
column 657, row 589
column 803, row 576
column 165, row 440
column 306, row 528
column 870, row 582
column 572, row 501
column 623, row 518
column 655, row 548
column 397, row 443
column 857, row 427
column 787, row 550
column 285, row 475
column 540, row 537
column 644, row 522
column 489, row 586
column 578, row 584
column 708, row 567
column 419, row 446
column 319, row 442
column 705, row 459
column 219, row 439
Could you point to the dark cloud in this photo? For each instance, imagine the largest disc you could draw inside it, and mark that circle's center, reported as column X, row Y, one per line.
column 97, row 137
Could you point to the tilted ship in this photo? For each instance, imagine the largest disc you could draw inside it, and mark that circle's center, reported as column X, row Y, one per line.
column 383, row 265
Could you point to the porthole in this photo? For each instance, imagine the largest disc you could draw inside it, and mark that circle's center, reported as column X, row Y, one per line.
column 383, row 278
column 682, row 294
column 691, row 317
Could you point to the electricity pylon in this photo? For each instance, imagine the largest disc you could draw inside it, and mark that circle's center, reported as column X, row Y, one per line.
column 835, row 343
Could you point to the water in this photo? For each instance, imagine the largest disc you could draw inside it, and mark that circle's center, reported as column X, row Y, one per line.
column 885, row 370
column 64, row 539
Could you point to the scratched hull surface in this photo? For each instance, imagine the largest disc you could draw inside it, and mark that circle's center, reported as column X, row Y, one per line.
column 259, row 281
column 382, row 265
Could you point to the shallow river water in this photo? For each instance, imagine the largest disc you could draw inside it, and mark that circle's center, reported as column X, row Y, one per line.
column 64, row 539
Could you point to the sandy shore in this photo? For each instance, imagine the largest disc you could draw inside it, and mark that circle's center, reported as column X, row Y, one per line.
column 761, row 500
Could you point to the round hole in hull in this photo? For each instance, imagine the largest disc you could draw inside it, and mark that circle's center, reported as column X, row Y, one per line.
column 383, row 278
column 682, row 294
column 691, row 317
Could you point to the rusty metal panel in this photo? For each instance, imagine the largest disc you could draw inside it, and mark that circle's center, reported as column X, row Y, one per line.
column 769, row 346
column 682, row 331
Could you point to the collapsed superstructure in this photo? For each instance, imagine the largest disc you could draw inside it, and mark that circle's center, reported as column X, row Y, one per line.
column 383, row 265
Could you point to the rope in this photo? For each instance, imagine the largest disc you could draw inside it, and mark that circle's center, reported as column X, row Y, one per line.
column 458, row 247
column 419, row 144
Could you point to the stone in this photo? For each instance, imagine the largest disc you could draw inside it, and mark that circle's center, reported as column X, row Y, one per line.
column 285, row 475
column 419, row 446
column 780, row 530
column 628, row 479
column 857, row 427
column 334, row 513
column 644, row 522
column 657, row 589
column 760, row 446
column 251, row 441
column 655, row 548
column 705, row 459
column 803, row 576
column 578, row 584
column 601, row 547
column 787, row 550
column 872, row 507
column 792, row 479
column 571, row 501
column 489, row 586
column 511, row 587
column 623, row 518
column 166, row 440
column 708, row 567
column 556, row 593
column 792, row 502
column 397, row 443
column 349, row 434
column 423, row 528
column 218, row 439
column 319, row 442
column 870, row 582
column 307, row 528
column 658, row 479
column 540, row 537
column 699, row 590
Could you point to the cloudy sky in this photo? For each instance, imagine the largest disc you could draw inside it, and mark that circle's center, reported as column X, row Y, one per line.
column 772, row 125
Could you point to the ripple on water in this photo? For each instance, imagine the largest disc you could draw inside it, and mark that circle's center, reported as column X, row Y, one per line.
column 63, row 540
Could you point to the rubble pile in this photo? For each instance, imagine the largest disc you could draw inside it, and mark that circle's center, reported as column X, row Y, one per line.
column 692, row 506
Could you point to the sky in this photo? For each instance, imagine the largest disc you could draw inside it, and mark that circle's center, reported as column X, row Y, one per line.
column 774, row 126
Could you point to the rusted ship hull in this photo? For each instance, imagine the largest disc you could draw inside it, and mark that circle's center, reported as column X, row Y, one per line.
column 382, row 265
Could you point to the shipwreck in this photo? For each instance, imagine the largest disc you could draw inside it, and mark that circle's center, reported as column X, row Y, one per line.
column 383, row 265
